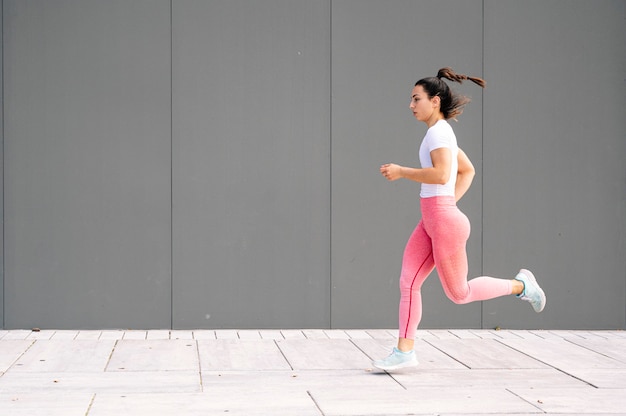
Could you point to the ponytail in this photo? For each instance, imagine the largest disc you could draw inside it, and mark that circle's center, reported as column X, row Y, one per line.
column 452, row 104
column 448, row 73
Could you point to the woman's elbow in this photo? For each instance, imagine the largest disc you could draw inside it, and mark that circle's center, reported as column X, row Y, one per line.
column 468, row 171
column 466, row 176
column 443, row 179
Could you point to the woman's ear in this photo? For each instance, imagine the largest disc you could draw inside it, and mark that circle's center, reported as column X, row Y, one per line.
column 436, row 101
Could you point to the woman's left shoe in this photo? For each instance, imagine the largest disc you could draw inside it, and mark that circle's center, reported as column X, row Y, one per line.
column 397, row 360
column 532, row 292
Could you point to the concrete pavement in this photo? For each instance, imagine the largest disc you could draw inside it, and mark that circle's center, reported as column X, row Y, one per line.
column 310, row 372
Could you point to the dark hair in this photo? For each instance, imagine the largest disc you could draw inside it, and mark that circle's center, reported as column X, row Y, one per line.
column 452, row 104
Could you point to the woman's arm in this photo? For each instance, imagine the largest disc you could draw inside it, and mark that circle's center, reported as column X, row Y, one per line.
column 439, row 174
column 464, row 176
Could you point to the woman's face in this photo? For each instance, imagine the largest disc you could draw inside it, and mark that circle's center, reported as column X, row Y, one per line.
column 423, row 107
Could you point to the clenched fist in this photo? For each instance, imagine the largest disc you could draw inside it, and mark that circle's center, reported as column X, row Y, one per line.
column 391, row 171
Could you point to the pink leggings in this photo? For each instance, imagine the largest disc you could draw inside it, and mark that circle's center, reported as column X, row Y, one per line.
column 439, row 241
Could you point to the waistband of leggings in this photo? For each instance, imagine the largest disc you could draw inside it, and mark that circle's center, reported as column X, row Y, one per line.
column 433, row 201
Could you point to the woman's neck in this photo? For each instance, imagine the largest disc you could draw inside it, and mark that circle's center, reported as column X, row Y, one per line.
column 434, row 120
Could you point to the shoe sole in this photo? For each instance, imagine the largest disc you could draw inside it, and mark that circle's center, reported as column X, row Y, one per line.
column 531, row 277
column 397, row 367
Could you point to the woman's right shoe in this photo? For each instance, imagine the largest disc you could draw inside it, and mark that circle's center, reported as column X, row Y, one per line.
column 397, row 360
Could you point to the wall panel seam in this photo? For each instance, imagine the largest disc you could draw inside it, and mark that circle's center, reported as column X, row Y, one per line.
column 330, row 164
column 2, row 270
column 482, row 169
column 171, row 164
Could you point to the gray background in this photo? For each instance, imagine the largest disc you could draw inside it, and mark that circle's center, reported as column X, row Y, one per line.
column 213, row 164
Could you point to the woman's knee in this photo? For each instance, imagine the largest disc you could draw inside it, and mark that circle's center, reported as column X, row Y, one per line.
column 458, row 295
column 409, row 285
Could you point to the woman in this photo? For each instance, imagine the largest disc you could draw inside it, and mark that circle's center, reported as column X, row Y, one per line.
column 439, row 238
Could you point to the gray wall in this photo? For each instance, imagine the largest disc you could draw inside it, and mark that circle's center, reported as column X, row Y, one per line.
column 87, row 163
column 251, row 168
column 1, row 174
column 210, row 164
column 554, row 150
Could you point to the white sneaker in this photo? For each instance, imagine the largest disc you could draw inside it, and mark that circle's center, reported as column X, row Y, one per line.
column 532, row 292
column 397, row 360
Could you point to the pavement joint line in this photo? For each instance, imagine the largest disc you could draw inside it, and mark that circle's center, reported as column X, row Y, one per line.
column 443, row 352
column 199, row 366
column 550, row 365
column 93, row 398
column 111, row 355
column 397, row 381
column 524, row 400
column 591, row 349
column 315, row 402
column 283, row 354
column 359, row 348
column 577, row 378
column 21, row 355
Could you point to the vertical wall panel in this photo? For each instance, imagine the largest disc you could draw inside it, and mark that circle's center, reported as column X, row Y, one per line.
column 251, row 163
column 379, row 50
column 1, row 171
column 87, row 163
column 555, row 195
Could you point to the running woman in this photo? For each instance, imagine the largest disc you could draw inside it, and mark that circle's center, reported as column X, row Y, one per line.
column 439, row 239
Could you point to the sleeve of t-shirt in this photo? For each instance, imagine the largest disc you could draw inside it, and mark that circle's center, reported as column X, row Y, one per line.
column 437, row 141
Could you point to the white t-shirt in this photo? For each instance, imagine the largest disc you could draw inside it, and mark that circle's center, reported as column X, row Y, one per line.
column 438, row 136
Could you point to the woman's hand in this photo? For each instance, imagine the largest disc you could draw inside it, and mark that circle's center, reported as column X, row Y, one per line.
column 439, row 174
column 391, row 171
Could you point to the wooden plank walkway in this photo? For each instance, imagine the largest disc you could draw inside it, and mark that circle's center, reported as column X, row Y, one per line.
column 310, row 372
